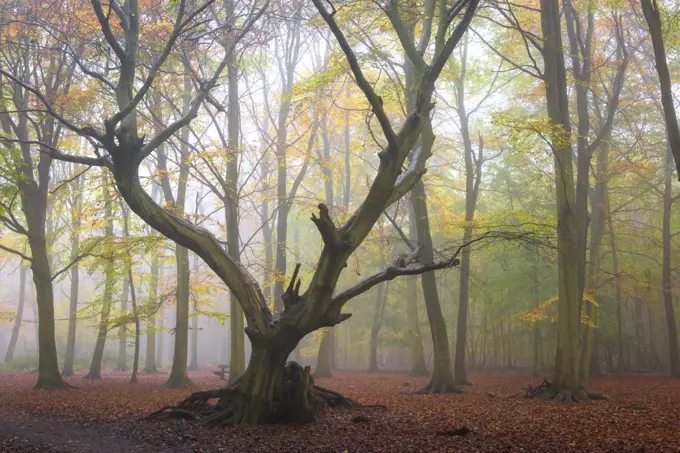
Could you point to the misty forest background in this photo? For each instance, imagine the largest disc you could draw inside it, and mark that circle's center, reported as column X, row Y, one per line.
column 287, row 128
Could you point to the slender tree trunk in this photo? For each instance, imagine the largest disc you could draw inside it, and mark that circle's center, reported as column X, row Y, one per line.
column 98, row 355
column 9, row 355
column 566, row 383
column 378, row 312
column 442, row 379
column 131, row 286
column 133, row 297
column 600, row 215
column 640, row 355
column 536, row 327
column 150, row 357
column 237, row 364
column 178, row 374
column 76, row 197
column 193, row 365
column 473, row 177
column 418, row 367
column 671, row 326
column 121, row 364
column 650, row 10
column 160, row 332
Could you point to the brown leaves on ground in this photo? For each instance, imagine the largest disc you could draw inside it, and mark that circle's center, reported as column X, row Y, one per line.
column 643, row 416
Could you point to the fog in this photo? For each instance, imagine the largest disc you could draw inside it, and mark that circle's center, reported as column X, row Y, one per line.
column 276, row 192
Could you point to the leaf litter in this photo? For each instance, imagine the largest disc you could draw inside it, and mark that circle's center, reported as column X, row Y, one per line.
column 492, row 416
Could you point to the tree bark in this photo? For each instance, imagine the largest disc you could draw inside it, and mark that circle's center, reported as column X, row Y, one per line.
column 121, row 363
column 150, row 356
column 76, row 197
column 9, row 355
column 473, row 177
column 650, row 9
column 666, row 282
column 193, row 364
column 442, row 379
column 109, row 271
column 418, row 367
column 566, row 381
column 178, row 373
column 378, row 312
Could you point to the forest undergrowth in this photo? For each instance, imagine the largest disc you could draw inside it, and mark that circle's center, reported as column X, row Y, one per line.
column 643, row 415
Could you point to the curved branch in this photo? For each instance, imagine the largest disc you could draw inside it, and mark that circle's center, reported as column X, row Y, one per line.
column 373, row 99
column 56, row 153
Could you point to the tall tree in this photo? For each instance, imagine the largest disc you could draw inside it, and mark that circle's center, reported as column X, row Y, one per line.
column 109, row 282
column 22, row 136
column 75, row 201
column 9, row 354
column 473, row 178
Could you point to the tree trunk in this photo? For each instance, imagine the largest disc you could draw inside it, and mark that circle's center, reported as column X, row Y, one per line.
column 237, row 364
column 600, row 214
column 473, row 177
column 121, row 363
column 9, row 355
column 178, row 374
column 323, row 358
column 650, row 10
column 378, row 311
column 150, row 357
column 418, row 367
column 566, row 384
column 98, row 355
column 48, row 367
column 133, row 297
column 442, row 379
column 536, row 327
column 671, row 326
column 73, row 299
column 193, row 364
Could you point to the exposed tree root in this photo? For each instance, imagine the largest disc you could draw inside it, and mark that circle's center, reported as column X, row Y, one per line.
column 438, row 387
column 546, row 390
column 298, row 401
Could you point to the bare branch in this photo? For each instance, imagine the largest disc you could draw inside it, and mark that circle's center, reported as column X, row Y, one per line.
column 56, row 153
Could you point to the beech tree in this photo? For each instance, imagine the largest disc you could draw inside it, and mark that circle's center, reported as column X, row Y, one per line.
column 270, row 390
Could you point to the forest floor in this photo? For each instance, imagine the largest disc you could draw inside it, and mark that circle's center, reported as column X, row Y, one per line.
column 105, row 416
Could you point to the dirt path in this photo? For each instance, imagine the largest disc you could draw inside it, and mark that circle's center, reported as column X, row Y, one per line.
column 55, row 434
